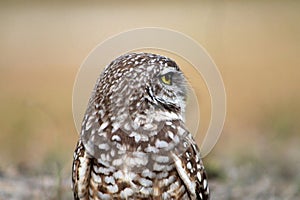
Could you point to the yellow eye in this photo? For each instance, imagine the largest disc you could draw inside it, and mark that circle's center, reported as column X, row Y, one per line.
column 166, row 78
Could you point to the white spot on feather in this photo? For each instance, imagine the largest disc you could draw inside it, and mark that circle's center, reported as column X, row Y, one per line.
column 103, row 126
column 117, row 162
column 158, row 167
column 148, row 173
column 161, row 159
column 104, row 196
column 150, row 149
column 116, row 138
column 113, row 188
column 199, row 176
column 161, row 143
column 127, row 192
column 118, row 174
column 109, row 180
column 137, row 137
column 189, row 165
column 204, row 183
column 103, row 146
column 145, row 182
column 96, row 178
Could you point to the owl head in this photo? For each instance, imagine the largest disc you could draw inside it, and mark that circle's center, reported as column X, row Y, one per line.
column 146, row 85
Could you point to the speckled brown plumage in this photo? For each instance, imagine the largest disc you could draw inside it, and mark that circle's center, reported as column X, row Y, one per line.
column 133, row 143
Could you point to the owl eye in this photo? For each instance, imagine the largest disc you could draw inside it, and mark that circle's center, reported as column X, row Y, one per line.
column 167, row 78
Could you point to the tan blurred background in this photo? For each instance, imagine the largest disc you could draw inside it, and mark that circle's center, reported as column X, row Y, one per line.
column 255, row 44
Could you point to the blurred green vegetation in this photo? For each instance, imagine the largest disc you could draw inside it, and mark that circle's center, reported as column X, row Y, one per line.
column 282, row 121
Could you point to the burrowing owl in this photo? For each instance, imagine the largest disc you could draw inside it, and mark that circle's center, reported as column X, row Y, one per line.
column 134, row 143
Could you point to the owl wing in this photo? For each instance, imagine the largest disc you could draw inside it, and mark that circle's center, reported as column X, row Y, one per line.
column 81, row 172
column 191, row 170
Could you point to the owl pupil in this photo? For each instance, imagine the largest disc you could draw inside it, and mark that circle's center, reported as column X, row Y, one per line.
column 168, row 77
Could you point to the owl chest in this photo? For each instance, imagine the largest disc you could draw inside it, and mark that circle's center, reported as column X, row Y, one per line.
column 150, row 180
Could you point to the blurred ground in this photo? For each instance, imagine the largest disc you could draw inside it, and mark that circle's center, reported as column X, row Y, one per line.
column 255, row 44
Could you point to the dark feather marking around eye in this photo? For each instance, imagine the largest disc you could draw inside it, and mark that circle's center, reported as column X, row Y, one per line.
column 168, row 106
column 160, row 102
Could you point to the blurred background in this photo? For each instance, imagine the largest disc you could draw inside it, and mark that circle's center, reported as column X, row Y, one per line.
column 255, row 44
